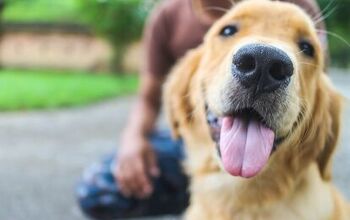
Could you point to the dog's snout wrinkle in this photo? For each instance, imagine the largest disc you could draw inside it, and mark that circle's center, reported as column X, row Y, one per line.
column 263, row 67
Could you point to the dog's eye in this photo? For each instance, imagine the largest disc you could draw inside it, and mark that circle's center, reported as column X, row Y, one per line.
column 228, row 30
column 306, row 48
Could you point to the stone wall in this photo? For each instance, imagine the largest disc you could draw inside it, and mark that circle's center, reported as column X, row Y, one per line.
column 58, row 47
column 134, row 58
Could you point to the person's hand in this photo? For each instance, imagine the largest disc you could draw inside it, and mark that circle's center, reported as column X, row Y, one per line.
column 135, row 166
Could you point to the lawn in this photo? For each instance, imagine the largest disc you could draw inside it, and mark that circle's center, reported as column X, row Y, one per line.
column 42, row 11
column 27, row 90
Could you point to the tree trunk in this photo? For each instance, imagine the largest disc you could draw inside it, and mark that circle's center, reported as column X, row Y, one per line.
column 117, row 59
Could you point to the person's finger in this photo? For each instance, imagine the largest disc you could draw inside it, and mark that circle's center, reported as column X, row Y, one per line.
column 122, row 182
column 131, row 180
column 144, row 185
column 152, row 164
column 118, row 173
column 124, row 190
column 128, row 181
column 137, row 178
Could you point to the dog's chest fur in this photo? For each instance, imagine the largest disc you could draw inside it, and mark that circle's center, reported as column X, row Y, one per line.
column 312, row 199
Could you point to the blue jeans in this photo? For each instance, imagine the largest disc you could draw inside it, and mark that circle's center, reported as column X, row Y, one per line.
column 99, row 196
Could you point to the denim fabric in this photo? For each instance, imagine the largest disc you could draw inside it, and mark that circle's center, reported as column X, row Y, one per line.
column 100, row 198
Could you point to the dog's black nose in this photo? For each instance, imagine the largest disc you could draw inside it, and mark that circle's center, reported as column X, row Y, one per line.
column 263, row 67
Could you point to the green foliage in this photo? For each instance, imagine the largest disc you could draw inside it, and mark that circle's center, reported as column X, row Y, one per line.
column 120, row 21
column 338, row 23
column 26, row 90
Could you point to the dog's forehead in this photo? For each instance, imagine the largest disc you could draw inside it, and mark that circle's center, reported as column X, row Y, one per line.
column 273, row 13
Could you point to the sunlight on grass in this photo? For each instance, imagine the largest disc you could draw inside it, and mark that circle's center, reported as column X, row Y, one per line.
column 23, row 90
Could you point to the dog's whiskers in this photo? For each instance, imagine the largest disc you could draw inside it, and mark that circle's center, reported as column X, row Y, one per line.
column 334, row 35
column 324, row 10
column 215, row 8
column 232, row 2
column 291, row 102
column 326, row 15
column 309, row 64
column 299, row 52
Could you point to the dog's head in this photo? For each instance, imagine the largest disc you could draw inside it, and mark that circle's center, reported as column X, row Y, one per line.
column 258, row 78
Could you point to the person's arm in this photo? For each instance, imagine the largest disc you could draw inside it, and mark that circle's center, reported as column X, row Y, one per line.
column 137, row 162
column 136, row 159
column 145, row 112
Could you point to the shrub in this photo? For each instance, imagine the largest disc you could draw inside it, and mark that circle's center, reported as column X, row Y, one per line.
column 119, row 21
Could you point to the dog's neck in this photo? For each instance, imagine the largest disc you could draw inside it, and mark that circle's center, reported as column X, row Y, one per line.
column 281, row 179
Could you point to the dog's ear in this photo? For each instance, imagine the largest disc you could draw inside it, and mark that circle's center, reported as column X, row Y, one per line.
column 324, row 159
column 176, row 97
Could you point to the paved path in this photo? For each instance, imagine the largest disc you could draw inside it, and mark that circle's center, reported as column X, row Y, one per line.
column 43, row 153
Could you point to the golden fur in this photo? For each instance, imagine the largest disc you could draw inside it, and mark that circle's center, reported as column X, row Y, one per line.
column 295, row 184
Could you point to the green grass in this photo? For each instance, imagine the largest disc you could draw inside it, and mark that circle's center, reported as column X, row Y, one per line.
column 42, row 11
column 27, row 90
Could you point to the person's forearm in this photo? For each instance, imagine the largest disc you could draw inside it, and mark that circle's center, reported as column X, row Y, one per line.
column 142, row 118
column 146, row 110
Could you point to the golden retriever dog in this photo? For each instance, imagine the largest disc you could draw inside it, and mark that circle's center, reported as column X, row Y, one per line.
column 260, row 118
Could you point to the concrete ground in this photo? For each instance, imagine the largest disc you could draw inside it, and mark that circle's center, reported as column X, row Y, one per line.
column 43, row 153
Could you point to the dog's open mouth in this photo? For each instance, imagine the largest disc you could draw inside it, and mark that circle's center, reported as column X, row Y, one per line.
column 245, row 141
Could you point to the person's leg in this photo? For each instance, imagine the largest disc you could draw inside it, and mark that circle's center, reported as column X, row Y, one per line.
column 100, row 198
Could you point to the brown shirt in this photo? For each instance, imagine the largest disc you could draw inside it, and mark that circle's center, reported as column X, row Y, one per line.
column 174, row 28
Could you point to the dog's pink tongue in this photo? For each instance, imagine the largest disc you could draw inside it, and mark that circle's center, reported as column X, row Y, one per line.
column 245, row 145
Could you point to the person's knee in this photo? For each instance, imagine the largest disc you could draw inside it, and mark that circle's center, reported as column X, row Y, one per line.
column 88, row 202
column 102, row 203
column 93, row 207
column 97, row 193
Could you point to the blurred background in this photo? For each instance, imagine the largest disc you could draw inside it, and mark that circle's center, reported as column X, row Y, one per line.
column 68, row 75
